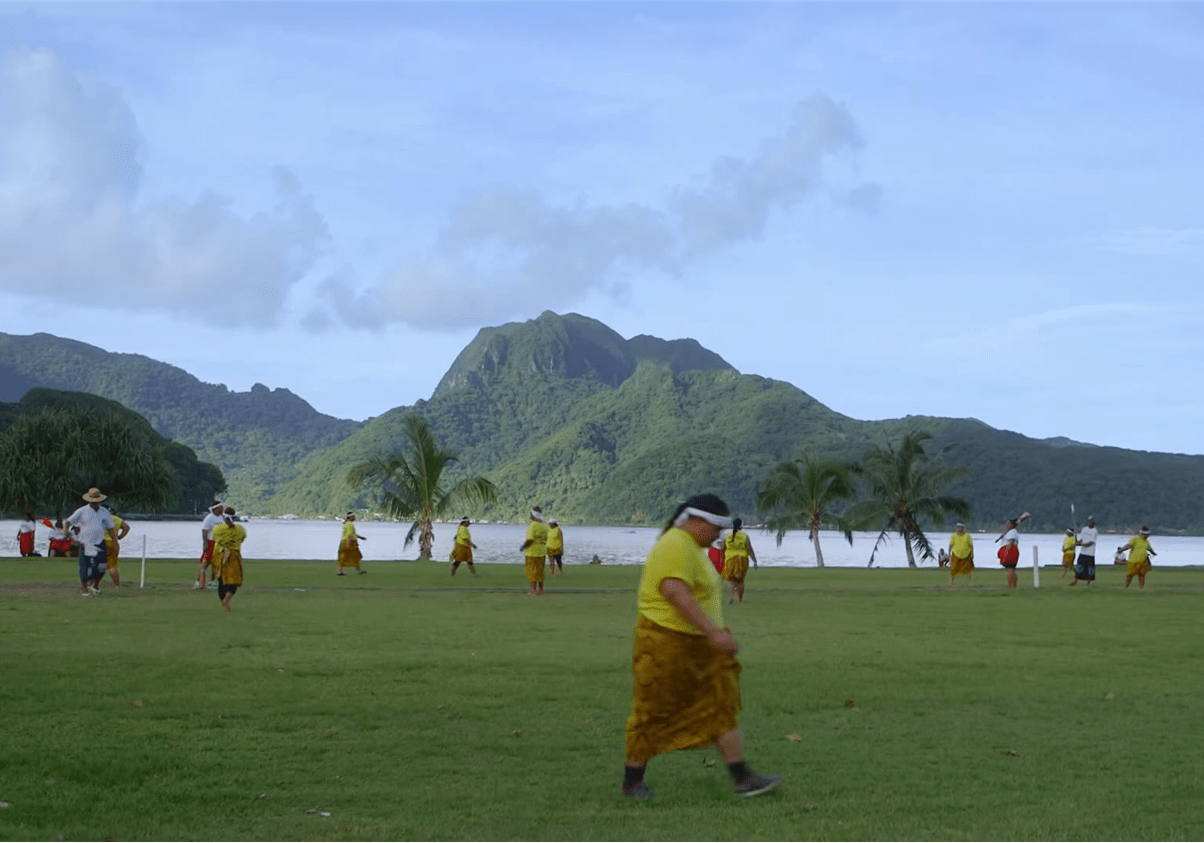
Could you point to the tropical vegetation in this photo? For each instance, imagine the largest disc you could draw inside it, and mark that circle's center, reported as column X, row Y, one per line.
column 412, row 483
column 906, row 488
column 805, row 494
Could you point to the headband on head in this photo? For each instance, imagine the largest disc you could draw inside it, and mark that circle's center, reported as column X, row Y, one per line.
column 720, row 521
column 538, row 516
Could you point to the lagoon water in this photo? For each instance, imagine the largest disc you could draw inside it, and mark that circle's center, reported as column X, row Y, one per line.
column 299, row 539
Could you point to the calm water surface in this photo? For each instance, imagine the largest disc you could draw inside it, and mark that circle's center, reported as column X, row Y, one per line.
column 278, row 539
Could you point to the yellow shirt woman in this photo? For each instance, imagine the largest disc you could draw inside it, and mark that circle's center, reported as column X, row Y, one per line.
column 227, row 549
column 677, row 556
column 1139, row 556
column 735, row 556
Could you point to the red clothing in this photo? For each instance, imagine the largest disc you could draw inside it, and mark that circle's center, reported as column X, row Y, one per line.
column 716, row 559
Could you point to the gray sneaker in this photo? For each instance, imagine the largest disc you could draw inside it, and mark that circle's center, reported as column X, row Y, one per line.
column 640, row 790
column 755, row 785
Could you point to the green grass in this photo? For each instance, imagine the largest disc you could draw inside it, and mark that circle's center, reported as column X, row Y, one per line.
column 409, row 705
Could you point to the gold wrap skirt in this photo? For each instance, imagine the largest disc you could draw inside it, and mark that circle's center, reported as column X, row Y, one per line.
column 685, row 693
column 534, row 568
column 461, row 553
column 349, row 557
column 231, row 562
column 960, row 565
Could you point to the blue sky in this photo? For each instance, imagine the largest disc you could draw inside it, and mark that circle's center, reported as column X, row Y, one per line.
column 973, row 210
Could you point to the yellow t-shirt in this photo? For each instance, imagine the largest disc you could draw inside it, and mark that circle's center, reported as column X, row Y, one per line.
column 1068, row 543
column 677, row 556
column 463, row 536
column 537, row 534
column 117, row 522
column 736, row 546
column 555, row 540
column 348, row 531
column 230, row 536
column 1140, row 549
column 961, row 546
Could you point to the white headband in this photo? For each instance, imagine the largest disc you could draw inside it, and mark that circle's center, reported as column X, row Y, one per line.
column 720, row 521
column 537, row 516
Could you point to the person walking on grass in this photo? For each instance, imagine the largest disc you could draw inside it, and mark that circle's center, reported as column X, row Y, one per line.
column 212, row 518
column 92, row 523
column 1139, row 557
column 463, row 547
column 349, row 547
column 555, row 547
column 1009, row 553
column 1084, row 566
column 736, row 549
column 535, row 549
column 1068, row 551
column 961, row 554
column 113, row 549
column 686, row 680
column 227, row 549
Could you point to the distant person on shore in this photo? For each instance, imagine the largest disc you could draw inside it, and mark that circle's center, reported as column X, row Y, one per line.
column 555, row 547
column 1084, row 566
column 26, row 531
column 1119, row 558
column 113, row 549
column 463, row 547
column 685, row 677
column 227, row 547
column 961, row 554
column 212, row 518
column 60, row 539
column 1139, row 557
column 1009, row 552
column 736, row 549
column 1068, row 550
column 942, row 558
column 91, row 524
column 349, row 547
column 535, row 550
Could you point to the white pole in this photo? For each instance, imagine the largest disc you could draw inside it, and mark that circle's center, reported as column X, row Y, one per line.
column 1036, row 570
column 142, row 582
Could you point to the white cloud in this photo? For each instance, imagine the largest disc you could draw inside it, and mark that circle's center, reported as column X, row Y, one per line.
column 508, row 250
column 71, row 165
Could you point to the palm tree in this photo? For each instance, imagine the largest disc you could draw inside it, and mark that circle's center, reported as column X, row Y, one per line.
column 411, row 483
column 904, row 487
column 802, row 493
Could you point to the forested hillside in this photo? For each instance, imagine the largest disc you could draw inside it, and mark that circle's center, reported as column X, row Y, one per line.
column 257, row 438
column 564, row 412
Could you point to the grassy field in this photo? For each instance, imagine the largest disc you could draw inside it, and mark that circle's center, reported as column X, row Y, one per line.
column 409, row 705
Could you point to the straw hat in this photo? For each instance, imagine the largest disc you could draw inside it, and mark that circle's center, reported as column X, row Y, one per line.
column 93, row 495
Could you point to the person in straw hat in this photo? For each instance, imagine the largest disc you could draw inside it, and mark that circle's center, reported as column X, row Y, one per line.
column 92, row 523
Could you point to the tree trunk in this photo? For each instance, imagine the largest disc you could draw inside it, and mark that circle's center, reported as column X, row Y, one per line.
column 819, row 554
column 911, row 557
column 426, row 539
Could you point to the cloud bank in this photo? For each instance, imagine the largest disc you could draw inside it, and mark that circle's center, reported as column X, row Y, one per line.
column 509, row 247
column 73, row 226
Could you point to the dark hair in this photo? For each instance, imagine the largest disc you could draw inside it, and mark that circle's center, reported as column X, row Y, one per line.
column 737, row 523
column 707, row 503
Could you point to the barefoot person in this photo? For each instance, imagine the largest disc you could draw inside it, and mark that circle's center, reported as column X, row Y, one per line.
column 1068, row 551
column 463, row 547
column 1139, row 557
column 555, row 547
column 349, row 547
column 1084, row 566
column 227, row 549
column 686, row 680
column 961, row 554
column 212, row 518
column 535, row 549
column 736, row 549
column 1009, row 553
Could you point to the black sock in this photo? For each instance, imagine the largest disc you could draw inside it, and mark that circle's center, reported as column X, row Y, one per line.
column 738, row 770
column 633, row 775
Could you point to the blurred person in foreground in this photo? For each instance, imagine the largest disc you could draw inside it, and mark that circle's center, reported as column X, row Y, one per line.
column 686, row 688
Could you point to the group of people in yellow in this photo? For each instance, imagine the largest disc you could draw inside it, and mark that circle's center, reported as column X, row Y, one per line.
column 961, row 553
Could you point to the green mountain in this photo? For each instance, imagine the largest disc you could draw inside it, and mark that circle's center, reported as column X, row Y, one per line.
column 257, row 437
column 562, row 411
column 193, row 482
